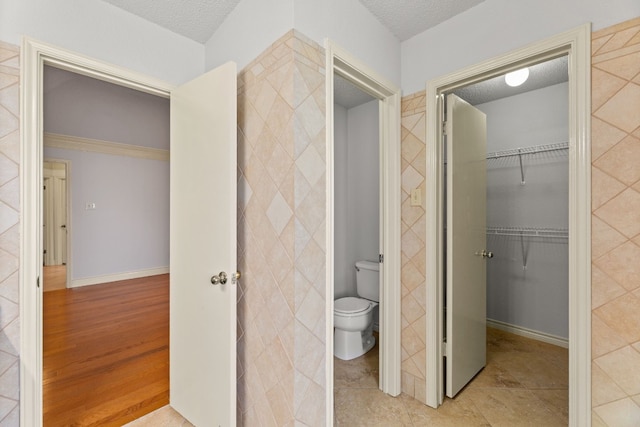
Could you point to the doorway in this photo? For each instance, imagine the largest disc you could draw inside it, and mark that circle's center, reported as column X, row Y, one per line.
column 341, row 63
column 56, row 223
column 210, row 101
column 118, row 141
column 516, row 271
column 575, row 44
column 36, row 56
column 357, row 223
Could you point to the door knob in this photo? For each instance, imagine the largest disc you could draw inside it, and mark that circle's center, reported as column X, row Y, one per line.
column 220, row 278
column 485, row 254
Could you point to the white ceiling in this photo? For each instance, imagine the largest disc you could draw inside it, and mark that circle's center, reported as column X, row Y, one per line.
column 348, row 95
column 195, row 19
column 199, row 19
column 540, row 75
column 406, row 18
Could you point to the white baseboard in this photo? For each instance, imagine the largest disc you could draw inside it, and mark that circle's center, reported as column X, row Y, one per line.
column 119, row 276
column 529, row 333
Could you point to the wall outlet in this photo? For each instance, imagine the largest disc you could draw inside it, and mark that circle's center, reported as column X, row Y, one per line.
column 90, row 206
column 416, row 197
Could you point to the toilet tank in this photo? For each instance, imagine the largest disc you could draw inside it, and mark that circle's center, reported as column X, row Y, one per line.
column 368, row 280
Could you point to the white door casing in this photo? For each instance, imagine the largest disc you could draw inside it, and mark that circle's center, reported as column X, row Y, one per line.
column 203, row 244
column 466, row 133
column 575, row 43
column 339, row 61
column 35, row 55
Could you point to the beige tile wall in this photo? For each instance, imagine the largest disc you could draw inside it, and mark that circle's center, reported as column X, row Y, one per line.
column 413, row 247
column 281, row 235
column 615, row 241
column 615, row 229
column 281, row 227
column 9, row 234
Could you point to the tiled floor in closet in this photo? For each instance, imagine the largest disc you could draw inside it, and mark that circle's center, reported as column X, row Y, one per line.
column 525, row 383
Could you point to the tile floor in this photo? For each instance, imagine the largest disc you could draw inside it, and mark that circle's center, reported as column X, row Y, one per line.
column 525, row 383
column 163, row 417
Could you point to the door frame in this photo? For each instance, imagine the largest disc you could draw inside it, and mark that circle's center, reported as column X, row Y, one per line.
column 34, row 55
column 67, row 208
column 342, row 63
column 576, row 44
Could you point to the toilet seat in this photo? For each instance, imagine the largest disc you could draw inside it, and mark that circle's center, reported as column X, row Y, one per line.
column 351, row 305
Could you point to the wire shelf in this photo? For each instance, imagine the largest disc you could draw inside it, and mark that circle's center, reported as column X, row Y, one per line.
column 528, row 150
column 561, row 233
column 522, row 232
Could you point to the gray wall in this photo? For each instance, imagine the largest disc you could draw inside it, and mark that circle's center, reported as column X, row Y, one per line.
column 129, row 229
column 81, row 106
column 536, row 297
column 357, row 186
column 343, row 283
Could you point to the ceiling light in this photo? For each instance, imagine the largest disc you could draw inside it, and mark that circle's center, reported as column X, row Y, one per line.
column 516, row 78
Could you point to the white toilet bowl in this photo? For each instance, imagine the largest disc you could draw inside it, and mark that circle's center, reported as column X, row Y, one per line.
column 353, row 323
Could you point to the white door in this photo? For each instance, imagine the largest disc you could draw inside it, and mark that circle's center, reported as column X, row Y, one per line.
column 54, row 219
column 466, row 243
column 203, row 243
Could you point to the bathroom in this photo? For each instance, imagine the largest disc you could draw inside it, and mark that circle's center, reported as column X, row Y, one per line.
column 356, row 214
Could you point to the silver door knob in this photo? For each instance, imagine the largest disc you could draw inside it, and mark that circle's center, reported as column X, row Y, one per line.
column 485, row 254
column 220, row 278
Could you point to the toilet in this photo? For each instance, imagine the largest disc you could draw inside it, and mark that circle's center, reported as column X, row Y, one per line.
column 353, row 316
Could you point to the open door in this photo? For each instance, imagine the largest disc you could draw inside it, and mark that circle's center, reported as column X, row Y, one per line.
column 466, row 305
column 54, row 218
column 203, row 245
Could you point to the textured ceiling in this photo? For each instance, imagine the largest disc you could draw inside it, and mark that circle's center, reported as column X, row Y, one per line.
column 195, row 19
column 199, row 19
column 348, row 95
column 407, row 18
column 540, row 75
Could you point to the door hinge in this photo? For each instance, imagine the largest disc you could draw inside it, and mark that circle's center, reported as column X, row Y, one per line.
column 380, row 258
column 38, row 282
column 444, row 127
column 444, row 348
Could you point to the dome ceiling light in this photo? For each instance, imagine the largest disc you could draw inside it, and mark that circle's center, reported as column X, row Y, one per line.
column 516, row 78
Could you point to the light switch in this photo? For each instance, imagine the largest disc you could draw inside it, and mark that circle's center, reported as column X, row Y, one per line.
column 416, row 197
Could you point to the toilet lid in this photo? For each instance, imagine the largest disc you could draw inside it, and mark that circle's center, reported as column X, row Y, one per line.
column 351, row 305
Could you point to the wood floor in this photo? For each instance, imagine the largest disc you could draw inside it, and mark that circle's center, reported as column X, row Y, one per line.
column 106, row 352
column 54, row 277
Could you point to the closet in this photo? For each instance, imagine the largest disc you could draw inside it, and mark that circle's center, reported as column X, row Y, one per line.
column 527, row 213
